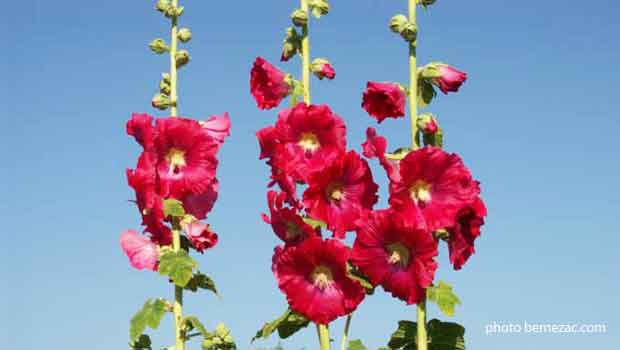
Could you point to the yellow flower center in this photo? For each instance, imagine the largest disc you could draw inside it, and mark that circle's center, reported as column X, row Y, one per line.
column 335, row 191
column 322, row 277
column 176, row 159
column 420, row 191
column 399, row 254
column 309, row 142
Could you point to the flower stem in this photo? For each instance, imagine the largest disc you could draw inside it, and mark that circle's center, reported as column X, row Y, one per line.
column 305, row 55
column 422, row 338
column 413, row 81
column 173, row 62
column 345, row 335
column 323, row 336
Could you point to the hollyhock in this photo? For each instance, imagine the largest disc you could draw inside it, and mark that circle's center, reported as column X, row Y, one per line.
column 384, row 100
column 306, row 136
column 217, row 127
column 340, row 192
column 464, row 233
column 140, row 126
column 313, row 275
column 200, row 235
column 142, row 253
column 186, row 160
column 286, row 222
column 435, row 184
column 399, row 258
column 268, row 84
column 376, row 147
column 449, row 79
column 199, row 205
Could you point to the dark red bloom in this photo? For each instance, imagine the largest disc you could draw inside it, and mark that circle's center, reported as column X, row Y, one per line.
column 286, row 222
column 399, row 258
column 384, row 100
column 186, row 160
column 464, row 233
column 268, row 84
column 450, row 78
column 435, row 184
column 313, row 275
column 199, row 205
column 340, row 192
column 200, row 235
column 140, row 126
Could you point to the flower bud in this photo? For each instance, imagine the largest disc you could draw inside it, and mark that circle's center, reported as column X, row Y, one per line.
column 161, row 101
column 321, row 68
column 182, row 58
column 184, row 35
column 172, row 11
column 426, row 3
column 299, row 17
column 158, row 46
column 409, row 32
column 445, row 77
column 165, row 77
column 162, row 5
column 164, row 87
column 427, row 123
column 319, row 7
column 292, row 44
column 397, row 23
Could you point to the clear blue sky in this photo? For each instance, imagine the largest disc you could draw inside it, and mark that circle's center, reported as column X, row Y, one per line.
column 537, row 123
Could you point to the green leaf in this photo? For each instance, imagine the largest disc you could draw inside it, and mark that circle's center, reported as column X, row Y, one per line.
column 434, row 139
column 356, row 275
column 201, row 281
column 142, row 343
column 441, row 336
column 315, row 223
column 444, row 297
column 356, row 345
column 288, row 324
column 174, row 208
column 150, row 315
column 192, row 322
column 176, row 265
column 426, row 93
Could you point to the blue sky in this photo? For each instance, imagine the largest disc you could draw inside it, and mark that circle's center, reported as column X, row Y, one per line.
column 536, row 123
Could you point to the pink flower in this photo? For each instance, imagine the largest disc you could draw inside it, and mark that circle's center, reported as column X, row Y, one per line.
column 200, row 235
column 384, row 100
column 142, row 253
column 450, row 79
column 217, row 127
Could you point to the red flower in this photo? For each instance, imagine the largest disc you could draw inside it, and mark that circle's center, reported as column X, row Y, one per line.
column 268, row 84
column 286, row 222
column 140, row 126
column 376, row 147
column 399, row 258
column 200, row 235
column 340, row 192
column 199, row 205
column 142, row 253
column 450, row 78
column 186, row 160
column 217, row 127
column 435, row 184
column 464, row 233
column 384, row 100
column 313, row 275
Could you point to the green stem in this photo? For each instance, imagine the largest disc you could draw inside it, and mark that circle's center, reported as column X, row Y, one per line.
column 345, row 334
column 323, row 336
column 413, row 81
column 305, row 55
column 422, row 338
column 173, row 62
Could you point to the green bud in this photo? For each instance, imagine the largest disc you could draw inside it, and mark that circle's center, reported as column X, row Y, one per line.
column 409, row 32
column 165, row 77
column 184, row 35
column 161, row 101
column 162, row 5
column 164, row 87
column 397, row 23
column 172, row 11
column 426, row 3
column 221, row 330
column 319, row 7
column 158, row 46
column 207, row 344
column 182, row 58
column 292, row 44
column 299, row 17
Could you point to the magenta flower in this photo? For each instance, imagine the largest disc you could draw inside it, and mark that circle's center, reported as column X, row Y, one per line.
column 142, row 253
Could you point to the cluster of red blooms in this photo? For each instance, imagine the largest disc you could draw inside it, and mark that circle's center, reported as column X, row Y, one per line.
column 321, row 183
column 179, row 161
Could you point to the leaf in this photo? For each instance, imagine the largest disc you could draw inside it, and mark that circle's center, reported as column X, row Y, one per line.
column 356, row 275
column 441, row 336
column 174, row 208
column 435, row 139
column 444, row 297
column 201, row 281
column 142, row 343
column 426, row 93
column 288, row 324
column 177, row 265
column 150, row 315
column 356, row 345
column 192, row 322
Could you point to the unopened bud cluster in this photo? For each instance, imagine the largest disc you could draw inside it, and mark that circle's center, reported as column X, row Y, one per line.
column 399, row 24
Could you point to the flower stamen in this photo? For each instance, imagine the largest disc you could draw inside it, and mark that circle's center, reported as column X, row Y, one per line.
column 322, row 277
column 399, row 254
column 176, row 159
column 309, row 142
column 420, row 192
